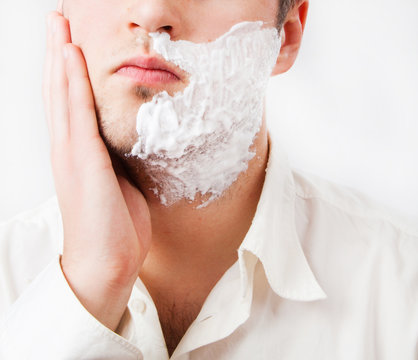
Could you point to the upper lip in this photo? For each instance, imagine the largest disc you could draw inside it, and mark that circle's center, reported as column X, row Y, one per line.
column 151, row 63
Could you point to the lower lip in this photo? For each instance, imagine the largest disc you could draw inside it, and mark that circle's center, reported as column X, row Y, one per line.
column 148, row 76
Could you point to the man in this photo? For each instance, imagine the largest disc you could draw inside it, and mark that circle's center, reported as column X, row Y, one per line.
column 277, row 265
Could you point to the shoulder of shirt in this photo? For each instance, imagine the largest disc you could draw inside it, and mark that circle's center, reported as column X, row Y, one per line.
column 44, row 212
column 28, row 243
column 41, row 225
column 351, row 201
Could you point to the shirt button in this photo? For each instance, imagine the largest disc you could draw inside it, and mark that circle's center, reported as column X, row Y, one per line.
column 139, row 306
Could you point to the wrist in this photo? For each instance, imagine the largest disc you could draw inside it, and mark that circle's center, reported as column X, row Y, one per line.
column 105, row 299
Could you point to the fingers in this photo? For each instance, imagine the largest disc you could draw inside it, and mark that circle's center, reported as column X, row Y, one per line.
column 60, row 6
column 54, row 82
column 69, row 102
column 66, row 82
column 82, row 111
column 58, row 82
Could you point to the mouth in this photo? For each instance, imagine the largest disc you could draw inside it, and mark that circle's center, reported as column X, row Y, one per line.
column 149, row 71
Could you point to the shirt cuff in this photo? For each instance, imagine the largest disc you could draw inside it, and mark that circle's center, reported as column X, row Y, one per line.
column 48, row 321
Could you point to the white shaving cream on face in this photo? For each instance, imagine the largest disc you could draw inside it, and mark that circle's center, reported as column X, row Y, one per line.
column 198, row 140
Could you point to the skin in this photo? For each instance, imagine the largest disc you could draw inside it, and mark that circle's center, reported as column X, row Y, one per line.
column 114, row 228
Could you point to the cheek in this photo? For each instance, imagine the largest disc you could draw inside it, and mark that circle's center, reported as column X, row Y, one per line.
column 212, row 24
column 93, row 23
column 95, row 44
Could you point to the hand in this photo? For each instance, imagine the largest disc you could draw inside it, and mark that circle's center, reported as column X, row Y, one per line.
column 107, row 227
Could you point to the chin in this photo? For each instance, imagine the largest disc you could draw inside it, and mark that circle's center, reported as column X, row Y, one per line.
column 118, row 131
column 116, row 110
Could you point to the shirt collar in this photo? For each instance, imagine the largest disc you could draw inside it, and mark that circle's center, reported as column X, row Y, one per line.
column 272, row 237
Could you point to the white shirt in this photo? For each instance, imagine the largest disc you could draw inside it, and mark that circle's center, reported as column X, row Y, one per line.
column 323, row 273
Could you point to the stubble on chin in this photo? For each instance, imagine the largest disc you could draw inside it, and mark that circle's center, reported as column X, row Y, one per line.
column 117, row 126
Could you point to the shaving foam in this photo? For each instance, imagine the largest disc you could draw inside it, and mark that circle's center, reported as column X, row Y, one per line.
column 198, row 140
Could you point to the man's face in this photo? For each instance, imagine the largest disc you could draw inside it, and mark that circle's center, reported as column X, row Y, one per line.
column 107, row 31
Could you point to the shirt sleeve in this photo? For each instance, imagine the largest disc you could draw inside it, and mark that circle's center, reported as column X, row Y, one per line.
column 48, row 321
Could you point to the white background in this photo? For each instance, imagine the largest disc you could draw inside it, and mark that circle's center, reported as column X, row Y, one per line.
column 347, row 111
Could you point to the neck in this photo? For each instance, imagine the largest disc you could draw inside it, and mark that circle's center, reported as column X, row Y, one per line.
column 205, row 240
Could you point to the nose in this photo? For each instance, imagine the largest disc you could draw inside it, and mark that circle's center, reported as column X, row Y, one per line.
column 154, row 16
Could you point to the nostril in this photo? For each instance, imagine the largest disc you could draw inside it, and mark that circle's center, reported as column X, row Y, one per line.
column 167, row 28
